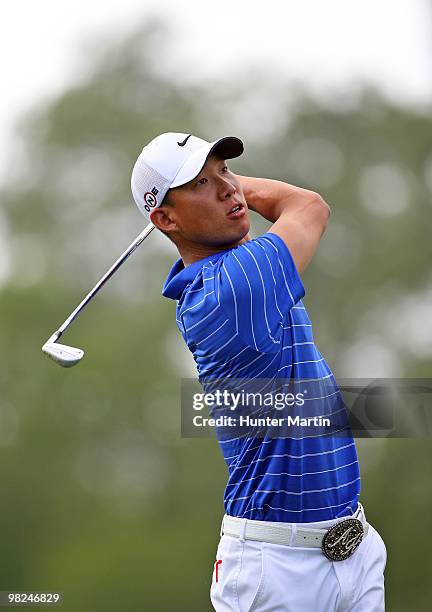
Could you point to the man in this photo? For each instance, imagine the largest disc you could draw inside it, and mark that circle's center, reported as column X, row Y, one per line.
column 294, row 537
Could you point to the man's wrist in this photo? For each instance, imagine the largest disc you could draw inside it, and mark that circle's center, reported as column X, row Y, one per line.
column 270, row 198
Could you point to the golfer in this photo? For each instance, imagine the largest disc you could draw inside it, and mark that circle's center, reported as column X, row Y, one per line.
column 294, row 536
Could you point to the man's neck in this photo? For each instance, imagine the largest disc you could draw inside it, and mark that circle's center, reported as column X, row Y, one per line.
column 195, row 251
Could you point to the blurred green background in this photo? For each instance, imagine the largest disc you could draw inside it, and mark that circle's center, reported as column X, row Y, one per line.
column 101, row 498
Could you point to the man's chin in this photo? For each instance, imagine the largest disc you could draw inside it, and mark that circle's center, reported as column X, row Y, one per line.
column 241, row 237
column 245, row 238
column 223, row 240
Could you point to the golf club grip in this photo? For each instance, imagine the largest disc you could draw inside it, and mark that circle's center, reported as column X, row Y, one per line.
column 116, row 265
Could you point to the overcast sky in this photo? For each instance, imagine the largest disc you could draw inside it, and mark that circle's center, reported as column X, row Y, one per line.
column 328, row 44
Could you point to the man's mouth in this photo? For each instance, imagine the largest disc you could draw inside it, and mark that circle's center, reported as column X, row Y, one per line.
column 237, row 211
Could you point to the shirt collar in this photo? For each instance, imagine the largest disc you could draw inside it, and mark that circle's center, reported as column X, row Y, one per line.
column 180, row 276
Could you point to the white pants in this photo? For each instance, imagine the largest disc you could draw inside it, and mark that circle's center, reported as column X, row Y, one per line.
column 263, row 577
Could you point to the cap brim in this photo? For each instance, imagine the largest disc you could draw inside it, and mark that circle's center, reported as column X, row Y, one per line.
column 225, row 148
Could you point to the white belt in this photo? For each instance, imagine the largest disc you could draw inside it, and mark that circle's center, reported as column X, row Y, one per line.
column 288, row 534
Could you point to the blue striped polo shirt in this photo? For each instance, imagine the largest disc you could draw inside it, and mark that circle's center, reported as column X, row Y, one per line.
column 241, row 314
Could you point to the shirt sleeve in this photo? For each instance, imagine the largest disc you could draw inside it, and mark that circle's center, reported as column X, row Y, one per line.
column 257, row 285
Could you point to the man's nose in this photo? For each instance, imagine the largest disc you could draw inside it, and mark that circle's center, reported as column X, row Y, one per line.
column 226, row 188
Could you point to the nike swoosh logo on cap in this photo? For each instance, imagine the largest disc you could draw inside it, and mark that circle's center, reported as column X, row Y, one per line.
column 182, row 144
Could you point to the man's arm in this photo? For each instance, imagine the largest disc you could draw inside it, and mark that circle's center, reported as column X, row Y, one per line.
column 299, row 216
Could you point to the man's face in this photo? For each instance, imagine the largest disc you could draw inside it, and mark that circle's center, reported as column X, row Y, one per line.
column 204, row 210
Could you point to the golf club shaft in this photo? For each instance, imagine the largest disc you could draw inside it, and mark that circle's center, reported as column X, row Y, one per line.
column 116, row 265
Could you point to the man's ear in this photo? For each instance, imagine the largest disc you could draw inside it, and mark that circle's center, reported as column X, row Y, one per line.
column 161, row 217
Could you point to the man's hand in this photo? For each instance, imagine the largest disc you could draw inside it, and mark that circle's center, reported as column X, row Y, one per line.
column 299, row 216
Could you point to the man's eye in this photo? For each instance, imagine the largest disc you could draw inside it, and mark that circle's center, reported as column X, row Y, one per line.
column 225, row 169
column 201, row 181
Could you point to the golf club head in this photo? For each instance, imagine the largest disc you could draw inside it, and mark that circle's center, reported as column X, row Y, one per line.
column 66, row 356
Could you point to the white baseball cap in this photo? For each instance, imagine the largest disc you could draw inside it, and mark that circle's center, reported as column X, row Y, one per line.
column 171, row 160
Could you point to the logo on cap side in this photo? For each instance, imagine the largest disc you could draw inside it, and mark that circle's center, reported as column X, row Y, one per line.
column 182, row 144
column 150, row 199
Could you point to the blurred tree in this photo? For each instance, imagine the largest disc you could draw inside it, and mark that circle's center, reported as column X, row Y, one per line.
column 104, row 501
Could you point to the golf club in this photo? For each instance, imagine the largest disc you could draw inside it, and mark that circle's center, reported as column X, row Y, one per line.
column 68, row 356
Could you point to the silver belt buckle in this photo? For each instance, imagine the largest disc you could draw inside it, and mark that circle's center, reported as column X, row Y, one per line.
column 343, row 539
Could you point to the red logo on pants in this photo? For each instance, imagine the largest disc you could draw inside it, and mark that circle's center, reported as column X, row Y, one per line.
column 217, row 563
